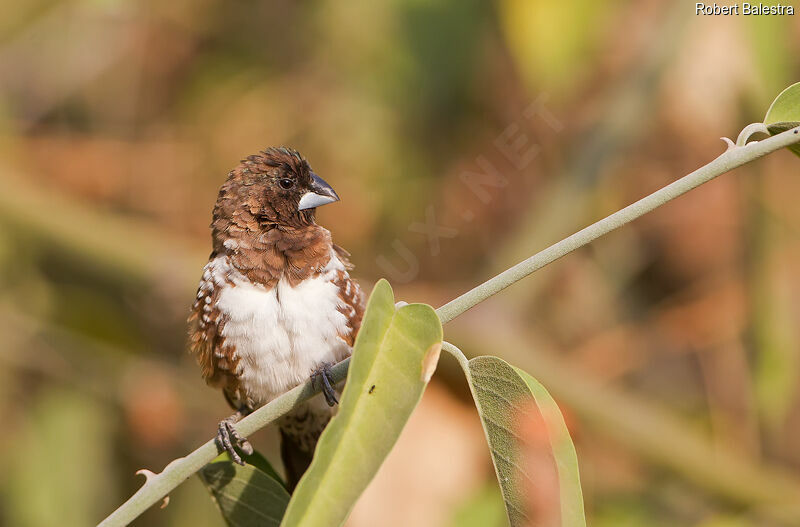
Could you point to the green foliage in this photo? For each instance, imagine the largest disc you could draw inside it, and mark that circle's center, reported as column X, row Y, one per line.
column 246, row 495
column 784, row 113
column 552, row 41
column 775, row 374
column 395, row 354
column 774, row 57
column 507, row 398
column 776, row 368
column 261, row 463
column 67, row 496
column 392, row 360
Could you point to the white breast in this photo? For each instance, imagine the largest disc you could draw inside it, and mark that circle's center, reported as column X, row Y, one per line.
column 281, row 335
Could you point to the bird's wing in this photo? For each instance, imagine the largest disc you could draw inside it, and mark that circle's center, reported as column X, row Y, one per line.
column 344, row 256
column 352, row 305
column 217, row 359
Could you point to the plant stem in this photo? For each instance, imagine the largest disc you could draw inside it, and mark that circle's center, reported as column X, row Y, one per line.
column 732, row 158
column 158, row 486
column 457, row 354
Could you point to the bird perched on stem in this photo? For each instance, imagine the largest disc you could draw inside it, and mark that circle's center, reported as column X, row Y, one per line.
column 275, row 304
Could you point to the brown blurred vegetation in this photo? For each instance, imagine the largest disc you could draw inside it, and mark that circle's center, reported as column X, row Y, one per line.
column 672, row 344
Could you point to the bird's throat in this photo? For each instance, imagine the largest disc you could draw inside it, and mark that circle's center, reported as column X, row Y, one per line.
column 267, row 256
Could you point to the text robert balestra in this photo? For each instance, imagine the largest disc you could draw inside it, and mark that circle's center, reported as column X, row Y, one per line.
column 743, row 9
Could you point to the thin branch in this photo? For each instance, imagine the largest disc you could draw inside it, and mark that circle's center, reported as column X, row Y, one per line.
column 749, row 131
column 160, row 485
column 732, row 158
column 457, row 354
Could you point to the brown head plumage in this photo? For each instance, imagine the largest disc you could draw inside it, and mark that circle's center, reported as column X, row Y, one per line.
column 264, row 217
column 268, row 189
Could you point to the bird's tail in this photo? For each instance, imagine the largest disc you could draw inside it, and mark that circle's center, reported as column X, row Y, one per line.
column 295, row 459
column 300, row 432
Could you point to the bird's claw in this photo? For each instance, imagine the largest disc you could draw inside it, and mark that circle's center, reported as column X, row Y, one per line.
column 228, row 439
column 324, row 373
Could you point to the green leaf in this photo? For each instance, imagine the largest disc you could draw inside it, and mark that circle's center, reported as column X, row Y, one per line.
column 245, row 495
column 784, row 113
column 258, row 461
column 509, row 400
column 394, row 355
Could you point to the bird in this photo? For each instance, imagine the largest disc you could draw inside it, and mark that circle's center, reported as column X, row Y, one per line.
column 275, row 305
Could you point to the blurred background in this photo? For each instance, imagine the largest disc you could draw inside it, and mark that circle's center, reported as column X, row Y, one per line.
column 462, row 136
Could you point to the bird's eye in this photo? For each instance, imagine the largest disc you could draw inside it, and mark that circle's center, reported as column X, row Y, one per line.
column 286, row 183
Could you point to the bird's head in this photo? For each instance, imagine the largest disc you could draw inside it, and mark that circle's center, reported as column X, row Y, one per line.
column 274, row 188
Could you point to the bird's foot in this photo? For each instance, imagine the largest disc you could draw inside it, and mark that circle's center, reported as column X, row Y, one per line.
column 324, row 374
column 228, row 439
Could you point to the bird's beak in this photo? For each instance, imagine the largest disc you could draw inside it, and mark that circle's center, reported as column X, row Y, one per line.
column 320, row 194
